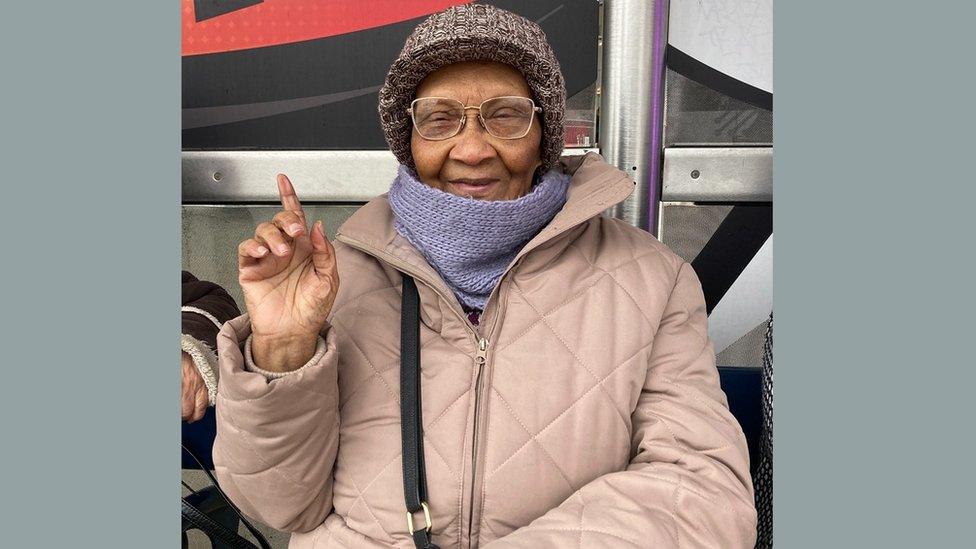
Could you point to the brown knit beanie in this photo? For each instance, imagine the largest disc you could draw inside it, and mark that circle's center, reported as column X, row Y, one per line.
column 474, row 32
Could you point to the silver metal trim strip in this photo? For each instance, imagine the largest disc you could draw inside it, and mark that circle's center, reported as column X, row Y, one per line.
column 244, row 177
column 718, row 174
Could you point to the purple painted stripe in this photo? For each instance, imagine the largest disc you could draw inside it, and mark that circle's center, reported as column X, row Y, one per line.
column 657, row 111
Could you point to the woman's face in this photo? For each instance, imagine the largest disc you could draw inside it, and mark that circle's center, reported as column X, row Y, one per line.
column 474, row 163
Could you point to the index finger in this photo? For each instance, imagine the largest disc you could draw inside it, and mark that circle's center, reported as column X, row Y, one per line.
column 288, row 197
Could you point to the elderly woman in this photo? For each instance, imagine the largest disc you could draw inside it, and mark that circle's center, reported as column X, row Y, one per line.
column 569, row 390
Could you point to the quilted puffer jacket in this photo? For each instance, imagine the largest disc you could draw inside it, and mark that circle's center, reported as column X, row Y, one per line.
column 595, row 418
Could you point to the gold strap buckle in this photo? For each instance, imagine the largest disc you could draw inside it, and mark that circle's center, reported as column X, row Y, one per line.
column 429, row 524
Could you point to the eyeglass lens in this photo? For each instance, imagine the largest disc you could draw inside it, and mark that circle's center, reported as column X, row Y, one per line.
column 504, row 117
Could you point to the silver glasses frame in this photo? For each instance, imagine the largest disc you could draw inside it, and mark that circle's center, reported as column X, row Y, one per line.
column 464, row 119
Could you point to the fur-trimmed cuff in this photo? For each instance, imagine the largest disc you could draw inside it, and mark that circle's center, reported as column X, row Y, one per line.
column 205, row 360
column 251, row 367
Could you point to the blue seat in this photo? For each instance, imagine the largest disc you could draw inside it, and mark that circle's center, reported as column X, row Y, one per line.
column 199, row 437
column 743, row 387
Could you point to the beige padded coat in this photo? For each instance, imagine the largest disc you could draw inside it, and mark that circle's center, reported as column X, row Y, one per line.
column 596, row 419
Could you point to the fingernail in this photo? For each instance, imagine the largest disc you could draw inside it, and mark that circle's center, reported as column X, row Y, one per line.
column 295, row 228
column 262, row 250
column 282, row 249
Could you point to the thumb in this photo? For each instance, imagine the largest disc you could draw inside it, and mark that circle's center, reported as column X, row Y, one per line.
column 323, row 254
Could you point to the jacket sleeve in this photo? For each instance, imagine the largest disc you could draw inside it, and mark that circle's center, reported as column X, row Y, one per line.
column 688, row 483
column 277, row 439
column 205, row 308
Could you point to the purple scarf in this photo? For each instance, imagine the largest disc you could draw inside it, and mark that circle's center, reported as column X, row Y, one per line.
column 471, row 242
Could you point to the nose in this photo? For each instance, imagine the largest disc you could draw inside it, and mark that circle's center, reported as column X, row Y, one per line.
column 471, row 146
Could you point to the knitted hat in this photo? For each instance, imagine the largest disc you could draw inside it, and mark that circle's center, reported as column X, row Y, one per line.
column 474, row 32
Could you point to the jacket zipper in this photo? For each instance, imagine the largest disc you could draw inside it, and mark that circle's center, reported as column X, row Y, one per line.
column 480, row 359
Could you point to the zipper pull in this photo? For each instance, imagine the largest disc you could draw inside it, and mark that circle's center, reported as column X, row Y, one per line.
column 482, row 356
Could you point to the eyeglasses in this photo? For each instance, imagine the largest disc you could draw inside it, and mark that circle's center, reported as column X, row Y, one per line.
column 439, row 118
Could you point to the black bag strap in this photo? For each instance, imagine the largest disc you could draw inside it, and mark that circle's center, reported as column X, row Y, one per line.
column 205, row 523
column 411, row 423
column 212, row 528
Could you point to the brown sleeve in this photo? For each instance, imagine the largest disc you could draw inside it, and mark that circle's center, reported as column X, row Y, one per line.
column 688, row 484
column 206, row 306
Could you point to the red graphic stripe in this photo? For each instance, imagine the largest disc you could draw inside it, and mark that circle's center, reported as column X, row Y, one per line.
column 275, row 22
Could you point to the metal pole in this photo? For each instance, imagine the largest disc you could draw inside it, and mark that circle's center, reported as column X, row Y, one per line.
column 631, row 98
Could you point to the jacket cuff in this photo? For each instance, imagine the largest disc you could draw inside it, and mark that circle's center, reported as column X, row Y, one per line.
column 205, row 360
column 251, row 367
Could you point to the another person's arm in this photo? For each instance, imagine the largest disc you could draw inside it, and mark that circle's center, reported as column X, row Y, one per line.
column 205, row 308
column 278, row 403
column 688, row 482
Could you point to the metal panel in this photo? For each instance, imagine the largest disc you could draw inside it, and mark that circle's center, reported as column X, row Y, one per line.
column 249, row 176
column 220, row 177
column 698, row 115
column 736, row 174
column 627, row 99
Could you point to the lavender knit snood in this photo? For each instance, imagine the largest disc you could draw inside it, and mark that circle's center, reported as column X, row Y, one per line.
column 471, row 242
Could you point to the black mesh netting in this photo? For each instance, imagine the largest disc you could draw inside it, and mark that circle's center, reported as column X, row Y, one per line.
column 764, row 473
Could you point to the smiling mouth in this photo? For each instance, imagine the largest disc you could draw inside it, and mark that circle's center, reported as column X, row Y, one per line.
column 473, row 188
column 473, row 182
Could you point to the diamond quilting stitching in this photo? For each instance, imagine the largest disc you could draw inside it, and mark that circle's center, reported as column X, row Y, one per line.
column 568, row 300
column 427, row 428
column 617, row 282
column 357, row 299
column 361, row 498
column 576, row 357
column 606, row 272
column 555, row 464
column 698, row 331
column 430, row 442
column 449, row 406
column 484, row 522
column 568, row 408
column 256, row 454
column 377, row 373
column 653, row 251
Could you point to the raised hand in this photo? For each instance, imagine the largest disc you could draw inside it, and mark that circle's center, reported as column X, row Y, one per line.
column 289, row 278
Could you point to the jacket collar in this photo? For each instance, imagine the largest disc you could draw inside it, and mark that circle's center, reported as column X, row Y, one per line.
column 594, row 187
